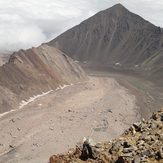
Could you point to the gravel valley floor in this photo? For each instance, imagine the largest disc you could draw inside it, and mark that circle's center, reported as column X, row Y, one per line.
column 99, row 108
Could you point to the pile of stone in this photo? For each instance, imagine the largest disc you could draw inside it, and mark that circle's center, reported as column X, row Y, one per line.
column 142, row 142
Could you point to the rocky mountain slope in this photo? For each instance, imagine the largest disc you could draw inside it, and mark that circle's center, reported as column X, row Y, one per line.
column 142, row 142
column 117, row 38
column 35, row 71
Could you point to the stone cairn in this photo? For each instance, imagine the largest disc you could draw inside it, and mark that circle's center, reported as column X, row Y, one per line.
column 141, row 143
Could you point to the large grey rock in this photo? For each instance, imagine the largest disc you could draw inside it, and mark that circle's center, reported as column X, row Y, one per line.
column 89, row 150
column 137, row 159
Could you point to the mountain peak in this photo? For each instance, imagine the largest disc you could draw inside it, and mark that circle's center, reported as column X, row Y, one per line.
column 118, row 8
column 118, row 5
column 113, row 36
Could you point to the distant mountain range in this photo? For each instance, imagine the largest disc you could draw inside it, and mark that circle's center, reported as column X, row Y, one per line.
column 117, row 38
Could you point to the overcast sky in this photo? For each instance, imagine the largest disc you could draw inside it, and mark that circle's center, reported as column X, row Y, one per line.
column 28, row 23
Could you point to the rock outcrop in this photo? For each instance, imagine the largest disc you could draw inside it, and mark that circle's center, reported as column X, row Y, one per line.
column 142, row 142
column 35, row 71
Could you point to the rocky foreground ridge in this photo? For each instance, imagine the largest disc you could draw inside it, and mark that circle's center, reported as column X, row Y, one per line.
column 35, row 71
column 142, row 142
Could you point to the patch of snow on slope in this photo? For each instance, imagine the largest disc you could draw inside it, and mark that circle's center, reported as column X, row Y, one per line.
column 31, row 99
column 62, row 87
column 6, row 113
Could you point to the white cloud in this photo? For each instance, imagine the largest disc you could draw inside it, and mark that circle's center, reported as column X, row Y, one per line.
column 27, row 23
column 17, row 34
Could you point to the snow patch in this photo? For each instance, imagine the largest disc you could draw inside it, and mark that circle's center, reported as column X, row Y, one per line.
column 62, row 87
column 117, row 64
column 6, row 113
column 31, row 99
column 136, row 65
